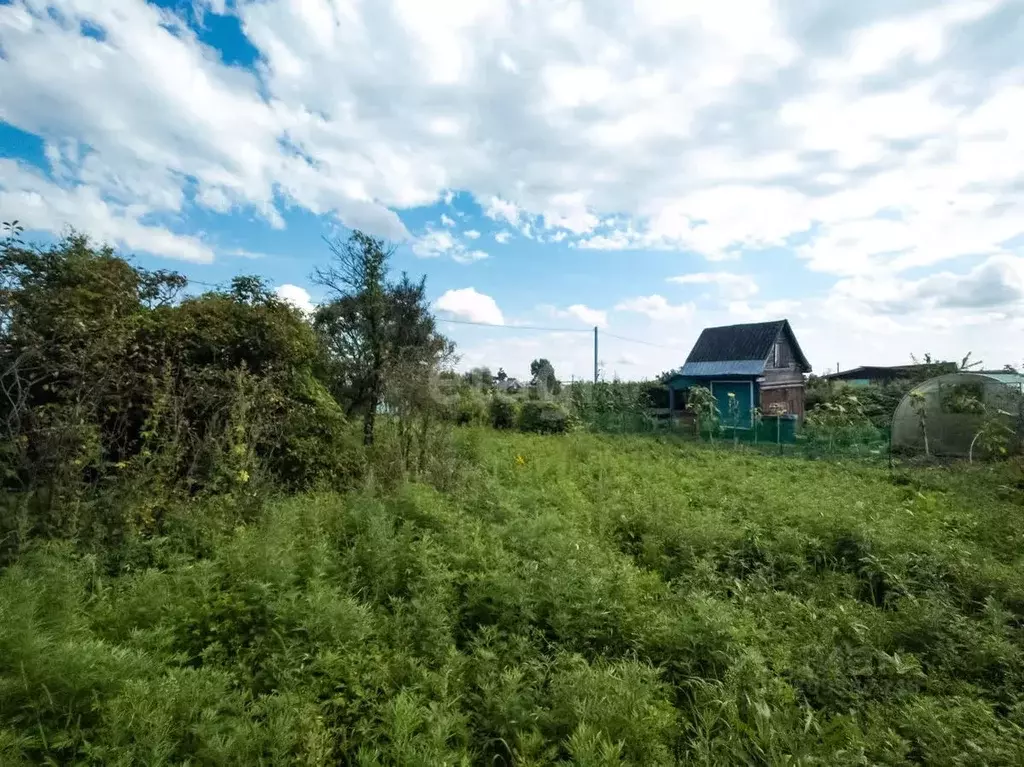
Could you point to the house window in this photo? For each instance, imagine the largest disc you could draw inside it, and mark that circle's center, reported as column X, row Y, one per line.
column 777, row 355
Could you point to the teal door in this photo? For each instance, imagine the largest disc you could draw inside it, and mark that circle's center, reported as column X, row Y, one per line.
column 742, row 392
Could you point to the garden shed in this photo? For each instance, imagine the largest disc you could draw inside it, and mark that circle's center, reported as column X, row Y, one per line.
column 956, row 410
column 757, row 365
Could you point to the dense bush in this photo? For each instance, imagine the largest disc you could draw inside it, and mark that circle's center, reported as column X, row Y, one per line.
column 504, row 412
column 469, row 407
column 543, row 417
column 117, row 385
column 615, row 406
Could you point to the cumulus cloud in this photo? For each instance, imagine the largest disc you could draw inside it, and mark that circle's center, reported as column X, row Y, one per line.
column 441, row 242
column 801, row 121
column 502, row 238
column 434, row 243
column 874, row 140
column 657, row 307
column 732, row 286
column 471, row 234
column 40, row 204
column 447, row 220
column 296, row 296
column 468, row 304
column 996, row 285
column 464, row 256
column 583, row 313
column 502, row 210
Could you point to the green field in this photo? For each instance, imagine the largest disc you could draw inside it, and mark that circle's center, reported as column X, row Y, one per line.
column 583, row 599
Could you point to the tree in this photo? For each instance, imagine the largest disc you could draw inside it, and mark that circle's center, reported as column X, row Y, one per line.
column 544, row 377
column 375, row 329
column 502, row 375
column 480, row 377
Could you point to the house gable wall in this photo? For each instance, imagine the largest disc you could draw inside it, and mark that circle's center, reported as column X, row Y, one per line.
column 785, row 369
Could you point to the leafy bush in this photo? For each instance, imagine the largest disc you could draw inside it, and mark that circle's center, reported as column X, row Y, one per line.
column 120, row 387
column 504, row 412
column 470, row 408
column 543, row 417
column 614, row 406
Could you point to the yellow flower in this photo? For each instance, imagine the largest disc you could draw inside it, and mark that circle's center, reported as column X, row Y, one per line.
column 520, row 461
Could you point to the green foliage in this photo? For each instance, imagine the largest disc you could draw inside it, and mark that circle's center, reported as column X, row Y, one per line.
column 382, row 342
column 611, row 406
column 703, row 404
column 481, row 378
column 114, row 387
column 591, row 599
column 962, row 398
column 543, row 417
column 544, row 378
column 840, row 421
column 503, row 412
column 470, row 408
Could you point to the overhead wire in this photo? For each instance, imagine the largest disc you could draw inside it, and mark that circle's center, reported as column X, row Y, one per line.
column 517, row 327
column 588, row 331
column 542, row 328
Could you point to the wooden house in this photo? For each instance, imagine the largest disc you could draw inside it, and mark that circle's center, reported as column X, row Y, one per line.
column 758, row 364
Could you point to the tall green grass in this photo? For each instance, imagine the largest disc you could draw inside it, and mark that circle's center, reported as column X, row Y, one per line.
column 584, row 599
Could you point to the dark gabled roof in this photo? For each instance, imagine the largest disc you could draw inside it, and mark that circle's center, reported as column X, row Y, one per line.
column 750, row 344
column 884, row 371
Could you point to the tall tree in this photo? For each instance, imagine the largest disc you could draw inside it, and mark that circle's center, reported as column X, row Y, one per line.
column 480, row 377
column 544, row 377
column 375, row 329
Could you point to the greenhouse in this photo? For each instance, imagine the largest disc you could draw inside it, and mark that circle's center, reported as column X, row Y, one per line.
column 962, row 413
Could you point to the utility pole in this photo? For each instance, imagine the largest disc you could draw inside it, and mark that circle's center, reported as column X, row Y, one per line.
column 595, row 353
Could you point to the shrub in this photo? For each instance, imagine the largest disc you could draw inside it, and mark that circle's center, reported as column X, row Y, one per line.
column 543, row 417
column 504, row 412
column 469, row 409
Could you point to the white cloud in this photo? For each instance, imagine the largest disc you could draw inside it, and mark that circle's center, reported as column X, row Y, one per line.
column 468, row 304
column 441, row 242
column 657, row 308
column 471, row 234
column 446, row 220
column 797, row 122
column 502, row 210
column 996, row 285
column 584, row 314
column 733, row 286
column 40, row 204
column 875, row 140
column 434, row 243
column 502, row 238
column 296, row 296
column 463, row 256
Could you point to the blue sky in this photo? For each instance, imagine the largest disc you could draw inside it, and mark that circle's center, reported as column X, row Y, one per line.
column 648, row 167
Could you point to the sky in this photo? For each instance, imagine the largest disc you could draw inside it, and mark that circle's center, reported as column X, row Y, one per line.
column 648, row 167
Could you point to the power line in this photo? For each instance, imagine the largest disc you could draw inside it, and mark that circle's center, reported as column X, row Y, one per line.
column 516, row 327
column 638, row 341
column 560, row 330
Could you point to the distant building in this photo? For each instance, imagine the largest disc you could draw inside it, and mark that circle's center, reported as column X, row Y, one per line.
column 758, row 364
column 508, row 385
column 867, row 375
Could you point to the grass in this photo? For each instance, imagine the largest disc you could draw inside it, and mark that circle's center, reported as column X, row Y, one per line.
column 589, row 599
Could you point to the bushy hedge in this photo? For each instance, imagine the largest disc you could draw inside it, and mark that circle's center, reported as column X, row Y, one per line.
column 504, row 412
column 120, row 383
column 543, row 417
column 469, row 408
